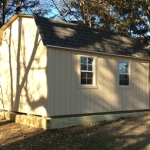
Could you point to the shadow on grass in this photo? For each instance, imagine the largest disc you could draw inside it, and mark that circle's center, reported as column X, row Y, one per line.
column 115, row 135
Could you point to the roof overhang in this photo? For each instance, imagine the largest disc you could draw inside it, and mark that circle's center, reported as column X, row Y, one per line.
column 52, row 46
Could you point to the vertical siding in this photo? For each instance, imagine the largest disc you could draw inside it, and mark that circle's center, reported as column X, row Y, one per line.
column 57, row 82
column 107, row 97
column 115, row 97
column 134, row 80
column 147, row 85
column 106, row 93
column 68, row 79
column 124, row 99
column 78, row 102
column 88, row 106
column 145, row 92
column 98, row 98
column 63, row 82
column 129, row 100
column 92, row 101
column 82, row 101
column 73, row 83
column 141, row 88
column 33, row 98
column 120, row 99
column 34, row 92
column 51, row 81
column 78, row 91
column 111, row 84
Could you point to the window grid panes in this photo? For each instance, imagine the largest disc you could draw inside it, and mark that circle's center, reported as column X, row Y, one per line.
column 124, row 73
column 86, row 71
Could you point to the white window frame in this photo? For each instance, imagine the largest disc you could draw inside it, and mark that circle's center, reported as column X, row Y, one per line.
column 93, row 71
column 129, row 73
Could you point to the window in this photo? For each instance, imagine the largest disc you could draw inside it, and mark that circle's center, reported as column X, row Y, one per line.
column 124, row 73
column 87, row 70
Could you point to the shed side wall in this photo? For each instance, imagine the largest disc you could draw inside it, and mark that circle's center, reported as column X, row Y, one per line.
column 65, row 98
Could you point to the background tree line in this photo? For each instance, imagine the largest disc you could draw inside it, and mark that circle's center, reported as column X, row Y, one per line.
column 129, row 17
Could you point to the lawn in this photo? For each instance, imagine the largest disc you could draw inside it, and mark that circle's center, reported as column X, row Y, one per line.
column 122, row 134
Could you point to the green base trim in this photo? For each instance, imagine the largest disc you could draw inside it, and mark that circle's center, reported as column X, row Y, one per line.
column 72, row 121
column 56, row 123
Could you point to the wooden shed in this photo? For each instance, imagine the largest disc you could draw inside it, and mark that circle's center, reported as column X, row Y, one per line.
column 54, row 68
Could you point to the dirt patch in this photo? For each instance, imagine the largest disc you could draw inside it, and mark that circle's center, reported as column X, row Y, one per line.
column 129, row 133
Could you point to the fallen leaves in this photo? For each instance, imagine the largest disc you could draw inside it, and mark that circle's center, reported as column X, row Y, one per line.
column 130, row 133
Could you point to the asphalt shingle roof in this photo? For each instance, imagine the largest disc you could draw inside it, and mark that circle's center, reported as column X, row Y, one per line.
column 68, row 35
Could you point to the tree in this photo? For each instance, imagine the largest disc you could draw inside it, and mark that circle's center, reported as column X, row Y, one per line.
column 9, row 7
column 131, row 17
column 134, row 17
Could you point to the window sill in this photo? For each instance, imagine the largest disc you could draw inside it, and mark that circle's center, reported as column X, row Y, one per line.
column 87, row 87
column 124, row 87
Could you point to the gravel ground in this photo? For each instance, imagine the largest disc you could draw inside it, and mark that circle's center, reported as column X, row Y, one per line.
column 122, row 134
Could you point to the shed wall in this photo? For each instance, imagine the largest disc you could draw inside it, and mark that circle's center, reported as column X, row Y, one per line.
column 65, row 98
column 23, row 69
